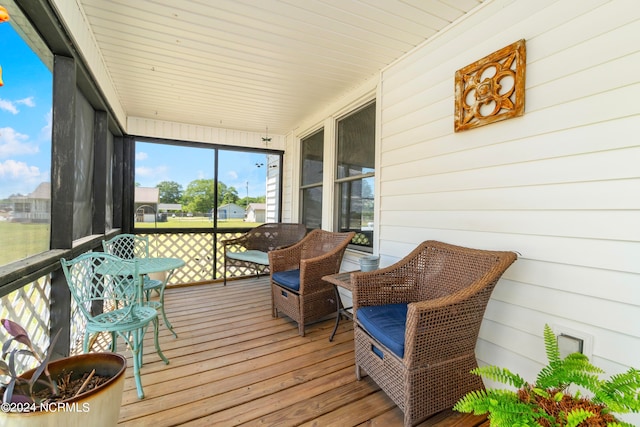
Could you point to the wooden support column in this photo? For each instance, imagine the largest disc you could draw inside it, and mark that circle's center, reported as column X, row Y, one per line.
column 62, row 193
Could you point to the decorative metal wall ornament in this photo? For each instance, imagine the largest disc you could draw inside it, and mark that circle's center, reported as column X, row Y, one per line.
column 491, row 89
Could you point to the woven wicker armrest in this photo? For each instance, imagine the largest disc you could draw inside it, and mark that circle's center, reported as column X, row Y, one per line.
column 313, row 269
column 440, row 329
column 286, row 258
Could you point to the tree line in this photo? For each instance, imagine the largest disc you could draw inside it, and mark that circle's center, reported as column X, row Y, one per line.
column 199, row 196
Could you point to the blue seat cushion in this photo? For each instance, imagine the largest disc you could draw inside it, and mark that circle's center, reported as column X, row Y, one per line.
column 387, row 324
column 289, row 279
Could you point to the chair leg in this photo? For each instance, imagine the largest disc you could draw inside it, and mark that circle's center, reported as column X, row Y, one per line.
column 85, row 342
column 113, row 342
column 224, row 275
column 164, row 315
column 135, row 344
column 157, row 343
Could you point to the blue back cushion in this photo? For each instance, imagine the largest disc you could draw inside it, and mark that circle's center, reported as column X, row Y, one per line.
column 386, row 323
column 289, row 279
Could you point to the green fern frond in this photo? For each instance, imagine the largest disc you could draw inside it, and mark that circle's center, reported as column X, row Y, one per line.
column 620, row 424
column 621, row 392
column 502, row 375
column 511, row 419
column 503, row 407
column 482, row 401
column 575, row 368
column 540, row 392
column 551, row 344
column 591, row 382
column 580, row 362
column 576, row 416
column 551, row 376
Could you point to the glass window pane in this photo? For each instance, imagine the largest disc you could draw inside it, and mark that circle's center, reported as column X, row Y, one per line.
column 242, row 188
column 356, row 143
column 356, row 210
column 25, row 140
column 312, row 207
column 174, row 186
column 312, row 157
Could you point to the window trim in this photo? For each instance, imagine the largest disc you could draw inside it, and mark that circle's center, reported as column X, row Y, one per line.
column 338, row 181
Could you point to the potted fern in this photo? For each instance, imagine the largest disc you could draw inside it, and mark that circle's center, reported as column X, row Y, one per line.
column 549, row 402
column 79, row 391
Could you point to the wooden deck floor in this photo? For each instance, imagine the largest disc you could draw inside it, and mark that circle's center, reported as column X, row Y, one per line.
column 234, row 364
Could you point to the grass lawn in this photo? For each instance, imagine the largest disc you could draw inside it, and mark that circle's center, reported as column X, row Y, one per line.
column 22, row 240
column 196, row 222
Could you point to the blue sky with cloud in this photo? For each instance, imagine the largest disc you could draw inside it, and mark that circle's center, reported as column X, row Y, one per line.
column 25, row 116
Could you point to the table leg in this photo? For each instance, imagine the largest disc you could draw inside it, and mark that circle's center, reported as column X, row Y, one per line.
column 338, row 314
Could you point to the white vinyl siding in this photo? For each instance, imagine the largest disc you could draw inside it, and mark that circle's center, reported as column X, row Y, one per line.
column 560, row 185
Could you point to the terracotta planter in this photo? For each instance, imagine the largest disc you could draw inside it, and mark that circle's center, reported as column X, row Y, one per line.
column 98, row 407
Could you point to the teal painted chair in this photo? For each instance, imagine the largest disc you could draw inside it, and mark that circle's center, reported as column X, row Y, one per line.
column 131, row 246
column 105, row 291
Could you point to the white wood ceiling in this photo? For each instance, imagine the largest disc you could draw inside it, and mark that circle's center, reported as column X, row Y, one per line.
column 249, row 64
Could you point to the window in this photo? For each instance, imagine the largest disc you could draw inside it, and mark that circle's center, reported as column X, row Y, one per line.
column 355, row 175
column 175, row 186
column 311, row 185
column 25, row 139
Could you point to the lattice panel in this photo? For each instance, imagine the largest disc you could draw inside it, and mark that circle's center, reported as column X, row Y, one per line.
column 29, row 307
column 196, row 249
column 78, row 326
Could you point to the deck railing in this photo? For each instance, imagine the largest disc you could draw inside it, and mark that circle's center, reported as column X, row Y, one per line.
column 202, row 252
column 30, row 305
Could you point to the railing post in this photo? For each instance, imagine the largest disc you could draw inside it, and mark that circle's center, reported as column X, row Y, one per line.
column 60, row 314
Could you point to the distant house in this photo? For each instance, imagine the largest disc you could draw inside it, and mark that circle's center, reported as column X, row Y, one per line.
column 146, row 203
column 230, row 211
column 36, row 207
column 256, row 212
column 169, row 207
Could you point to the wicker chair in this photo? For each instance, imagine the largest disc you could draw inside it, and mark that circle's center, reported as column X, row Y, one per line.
column 417, row 323
column 251, row 248
column 297, row 288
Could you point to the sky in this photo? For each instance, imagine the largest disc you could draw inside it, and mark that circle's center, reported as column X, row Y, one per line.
column 25, row 116
column 161, row 162
column 25, row 136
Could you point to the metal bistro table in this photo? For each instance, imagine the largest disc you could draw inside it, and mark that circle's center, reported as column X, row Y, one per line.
column 342, row 280
column 157, row 265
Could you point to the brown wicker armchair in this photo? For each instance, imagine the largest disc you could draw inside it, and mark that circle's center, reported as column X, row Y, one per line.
column 297, row 288
column 251, row 248
column 417, row 323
